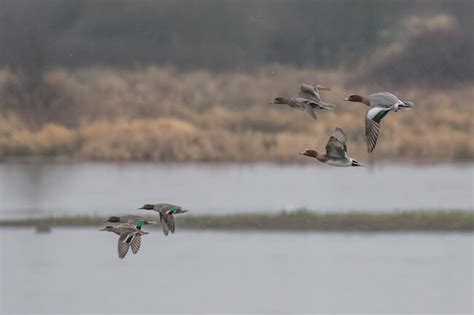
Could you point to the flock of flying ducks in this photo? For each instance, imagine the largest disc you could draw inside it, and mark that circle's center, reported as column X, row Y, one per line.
column 129, row 227
column 379, row 105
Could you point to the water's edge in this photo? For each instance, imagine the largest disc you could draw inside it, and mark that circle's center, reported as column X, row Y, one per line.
column 100, row 189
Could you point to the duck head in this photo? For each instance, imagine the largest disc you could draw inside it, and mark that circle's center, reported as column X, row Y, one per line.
column 147, row 207
column 354, row 98
column 279, row 100
column 310, row 153
column 113, row 220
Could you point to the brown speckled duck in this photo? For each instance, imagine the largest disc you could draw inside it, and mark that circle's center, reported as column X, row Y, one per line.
column 308, row 99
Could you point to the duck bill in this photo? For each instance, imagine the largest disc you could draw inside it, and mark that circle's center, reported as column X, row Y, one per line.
column 184, row 210
column 346, row 99
column 104, row 229
column 152, row 222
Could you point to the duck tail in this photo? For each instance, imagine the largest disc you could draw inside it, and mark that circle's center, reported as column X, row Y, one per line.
column 408, row 105
column 321, row 87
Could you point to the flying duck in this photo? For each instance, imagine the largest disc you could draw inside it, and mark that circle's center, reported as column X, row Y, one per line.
column 167, row 212
column 380, row 104
column 130, row 236
column 308, row 99
column 336, row 151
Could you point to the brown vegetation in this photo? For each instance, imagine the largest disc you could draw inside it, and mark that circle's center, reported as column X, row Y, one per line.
column 159, row 114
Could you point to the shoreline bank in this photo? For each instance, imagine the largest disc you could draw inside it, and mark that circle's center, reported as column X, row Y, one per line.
column 302, row 220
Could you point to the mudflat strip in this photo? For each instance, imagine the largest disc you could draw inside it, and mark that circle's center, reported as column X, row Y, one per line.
column 302, row 220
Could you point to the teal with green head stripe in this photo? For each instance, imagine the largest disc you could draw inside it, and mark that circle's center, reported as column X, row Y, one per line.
column 173, row 210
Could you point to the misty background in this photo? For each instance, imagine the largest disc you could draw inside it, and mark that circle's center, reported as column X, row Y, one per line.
column 234, row 35
column 108, row 105
column 192, row 80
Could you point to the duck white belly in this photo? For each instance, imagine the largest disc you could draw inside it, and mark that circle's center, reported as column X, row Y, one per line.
column 339, row 163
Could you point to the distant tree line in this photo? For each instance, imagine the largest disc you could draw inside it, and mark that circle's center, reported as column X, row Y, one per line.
column 211, row 34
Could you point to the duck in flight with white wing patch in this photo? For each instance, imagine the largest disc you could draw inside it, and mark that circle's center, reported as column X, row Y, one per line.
column 380, row 104
column 336, row 151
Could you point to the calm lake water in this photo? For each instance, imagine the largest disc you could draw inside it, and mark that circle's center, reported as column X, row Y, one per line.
column 43, row 189
column 77, row 271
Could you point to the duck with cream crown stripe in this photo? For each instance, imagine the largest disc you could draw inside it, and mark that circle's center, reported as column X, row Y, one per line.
column 336, row 151
column 380, row 104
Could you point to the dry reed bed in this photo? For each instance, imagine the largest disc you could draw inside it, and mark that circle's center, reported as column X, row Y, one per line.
column 159, row 114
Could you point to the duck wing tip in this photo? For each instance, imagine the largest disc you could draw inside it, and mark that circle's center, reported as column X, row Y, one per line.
column 122, row 248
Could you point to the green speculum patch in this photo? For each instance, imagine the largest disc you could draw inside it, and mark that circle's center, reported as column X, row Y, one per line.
column 139, row 224
column 129, row 238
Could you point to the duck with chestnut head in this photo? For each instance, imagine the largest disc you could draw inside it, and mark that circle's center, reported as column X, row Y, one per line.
column 379, row 105
column 336, row 151
column 308, row 99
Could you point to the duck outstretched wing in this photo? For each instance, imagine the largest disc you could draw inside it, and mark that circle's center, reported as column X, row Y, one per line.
column 372, row 129
column 171, row 224
column 164, row 224
column 123, row 245
column 373, row 117
column 336, row 146
column 309, row 92
column 136, row 243
column 308, row 107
